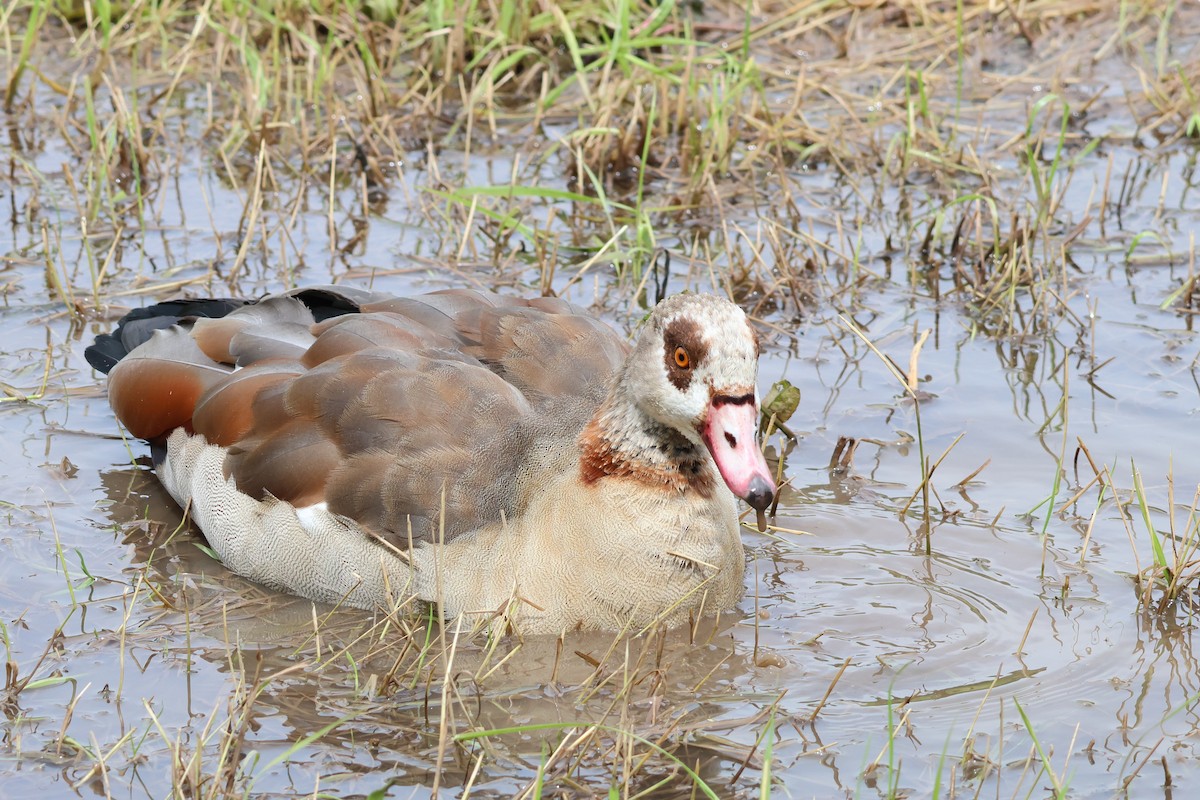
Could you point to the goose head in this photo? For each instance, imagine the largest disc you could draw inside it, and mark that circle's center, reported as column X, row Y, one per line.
column 694, row 370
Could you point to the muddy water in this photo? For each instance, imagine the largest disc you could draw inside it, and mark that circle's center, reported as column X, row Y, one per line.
column 887, row 651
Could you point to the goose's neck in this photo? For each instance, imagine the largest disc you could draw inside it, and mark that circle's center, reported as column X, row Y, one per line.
column 621, row 441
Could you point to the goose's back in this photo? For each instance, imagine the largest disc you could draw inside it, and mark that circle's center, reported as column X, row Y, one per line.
column 414, row 417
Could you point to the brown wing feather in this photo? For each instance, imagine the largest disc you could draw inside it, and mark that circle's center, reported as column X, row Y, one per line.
column 389, row 430
column 417, row 431
column 545, row 354
column 154, row 389
column 281, row 325
column 353, row 332
column 435, row 311
column 224, row 414
column 212, row 336
column 256, row 344
column 293, row 463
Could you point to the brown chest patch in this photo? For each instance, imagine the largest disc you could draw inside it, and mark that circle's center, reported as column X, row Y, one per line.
column 661, row 469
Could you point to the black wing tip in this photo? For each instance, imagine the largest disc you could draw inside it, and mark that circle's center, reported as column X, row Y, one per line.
column 104, row 353
column 139, row 325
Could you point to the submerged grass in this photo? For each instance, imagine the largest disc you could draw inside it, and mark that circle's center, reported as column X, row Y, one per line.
column 1171, row 582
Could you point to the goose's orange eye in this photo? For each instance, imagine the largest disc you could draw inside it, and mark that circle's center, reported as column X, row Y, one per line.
column 682, row 359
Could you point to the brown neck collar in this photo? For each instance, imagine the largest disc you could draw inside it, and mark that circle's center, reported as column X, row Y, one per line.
column 630, row 446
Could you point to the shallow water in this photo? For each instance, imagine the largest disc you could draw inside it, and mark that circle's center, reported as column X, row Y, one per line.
column 888, row 653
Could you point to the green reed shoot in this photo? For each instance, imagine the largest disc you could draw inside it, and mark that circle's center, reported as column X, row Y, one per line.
column 1175, row 568
column 37, row 16
column 1056, row 781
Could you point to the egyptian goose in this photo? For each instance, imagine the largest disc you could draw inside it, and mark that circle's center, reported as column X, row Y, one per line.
column 504, row 457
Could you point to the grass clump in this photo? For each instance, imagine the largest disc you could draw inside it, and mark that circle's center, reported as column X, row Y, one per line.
column 1171, row 582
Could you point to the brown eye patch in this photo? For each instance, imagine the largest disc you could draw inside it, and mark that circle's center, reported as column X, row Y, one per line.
column 684, row 350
